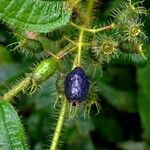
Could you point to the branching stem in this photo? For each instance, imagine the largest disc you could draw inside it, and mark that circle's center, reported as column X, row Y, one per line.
column 62, row 53
column 59, row 125
column 26, row 81
column 92, row 30
column 17, row 88
column 89, row 10
column 78, row 57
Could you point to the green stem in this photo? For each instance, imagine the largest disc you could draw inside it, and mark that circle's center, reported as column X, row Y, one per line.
column 93, row 30
column 80, row 48
column 89, row 11
column 22, row 85
column 17, row 88
column 59, row 125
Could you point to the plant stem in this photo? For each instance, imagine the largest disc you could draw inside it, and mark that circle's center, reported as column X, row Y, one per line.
column 80, row 48
column 61, row 117
column 92, row 30
column 61, row 55
column 16, row 89
column 87, row 21
column 89, row 11
column 22, row 85
column 59, row 125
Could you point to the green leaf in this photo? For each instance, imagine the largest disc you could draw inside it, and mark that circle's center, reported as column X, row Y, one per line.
column 47, row 95
column 131, row 145
column 111, row 6
column 34, row 15
column 11, row 130
column 77, row 134
column 8, row 71
column 5, row 56
column 144, row 100
column 121, row 100
column 129, row 59
column 108, row 127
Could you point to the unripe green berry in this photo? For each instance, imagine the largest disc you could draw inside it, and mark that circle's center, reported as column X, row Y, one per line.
column 45, row 69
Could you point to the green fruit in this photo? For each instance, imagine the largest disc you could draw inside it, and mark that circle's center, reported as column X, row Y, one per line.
column 45, row 69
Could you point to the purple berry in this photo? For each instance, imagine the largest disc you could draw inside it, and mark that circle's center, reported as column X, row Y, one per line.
column 76, row 86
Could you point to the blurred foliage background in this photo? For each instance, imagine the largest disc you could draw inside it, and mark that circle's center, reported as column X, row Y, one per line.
column 124, row 119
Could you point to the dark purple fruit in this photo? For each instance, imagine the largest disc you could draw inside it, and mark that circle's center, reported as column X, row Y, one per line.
column 76, row 85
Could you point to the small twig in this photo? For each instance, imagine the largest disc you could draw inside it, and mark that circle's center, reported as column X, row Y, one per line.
column 69, row 40
column 60, row 56
column 62, row 53
column 92, row 30
column 51, row 54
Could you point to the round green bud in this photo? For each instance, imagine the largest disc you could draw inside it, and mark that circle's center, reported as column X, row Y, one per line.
column 108, row 48
column 134, row 31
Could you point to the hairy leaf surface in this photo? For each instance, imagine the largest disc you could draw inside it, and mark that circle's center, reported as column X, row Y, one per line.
column 34, row 15
column 12, row 134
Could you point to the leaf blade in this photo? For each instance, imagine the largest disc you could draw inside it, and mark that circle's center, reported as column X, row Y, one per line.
column 34, row 15
column 12, row 133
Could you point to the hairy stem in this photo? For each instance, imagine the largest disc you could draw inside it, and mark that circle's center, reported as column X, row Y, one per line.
column 59, row 125
column 92, row 30
column 17, row 88
column 89, row 10
column 22, row 85
column 80, row 48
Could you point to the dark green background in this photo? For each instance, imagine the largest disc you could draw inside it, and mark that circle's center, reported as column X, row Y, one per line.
column 124, row 119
